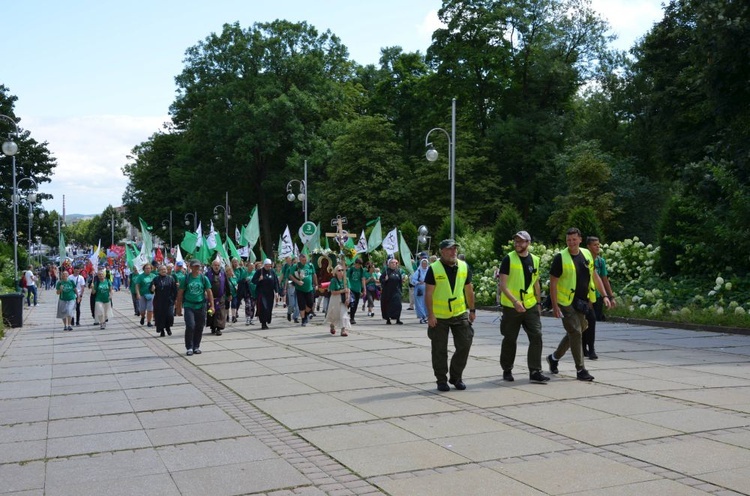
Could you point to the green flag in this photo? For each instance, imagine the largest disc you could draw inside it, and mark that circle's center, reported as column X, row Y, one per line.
column 251, row 255
column 189, row 242
column 263, row 254
column 242, row 241
column 220, row 248
column 61, row 247
column 233, row 250
column 204, row 252
column 406, row 258
column 376, row 236
column 148, row 243
column 314, row 242
column 252, row 230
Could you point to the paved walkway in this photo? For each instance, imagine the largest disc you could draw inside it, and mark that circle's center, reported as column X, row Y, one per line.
column 295, row 410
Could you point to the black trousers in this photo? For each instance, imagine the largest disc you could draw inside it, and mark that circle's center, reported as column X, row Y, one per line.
column 354, row 304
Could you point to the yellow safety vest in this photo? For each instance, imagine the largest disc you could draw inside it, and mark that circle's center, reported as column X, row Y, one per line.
column 566, row 285
column 447, row 304
column 516, row 282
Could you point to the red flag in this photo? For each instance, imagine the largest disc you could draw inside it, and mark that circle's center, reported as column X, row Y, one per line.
column 159, row 257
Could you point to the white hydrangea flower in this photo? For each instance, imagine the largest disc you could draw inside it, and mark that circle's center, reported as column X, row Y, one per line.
column 719, row 281
column 739, row 311
column 728, row 286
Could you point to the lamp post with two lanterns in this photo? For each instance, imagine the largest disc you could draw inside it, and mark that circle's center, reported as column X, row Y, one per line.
column 432, row 155
column 194, row 216
column 164, row 227
column 227, row 214
column 10, row 148
column 302, row 196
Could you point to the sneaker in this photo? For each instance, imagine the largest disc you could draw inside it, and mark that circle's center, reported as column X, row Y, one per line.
column 149, row 324
column 508, row 376
column 197, row 351
column 443, row 386
column 552, row 364
column 78, row 324
column 296, row 321
column 234, row 320
column 399, row 322
column 353, row 322
column 344, row 333
column 537, row 376
column 289, row 317
column 583, row 375
column 143, row 319
column 189, row 352
column 218, row 332
column 101, row 326
column 592, row 354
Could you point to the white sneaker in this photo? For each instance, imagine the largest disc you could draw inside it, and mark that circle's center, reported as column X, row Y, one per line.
column 189, row 352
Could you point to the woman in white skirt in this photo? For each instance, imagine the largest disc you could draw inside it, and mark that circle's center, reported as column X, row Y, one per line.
column 338, row 314
column 102, row 298
column 66, row 305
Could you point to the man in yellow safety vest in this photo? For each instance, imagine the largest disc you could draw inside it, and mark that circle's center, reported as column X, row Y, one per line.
column 449, row 298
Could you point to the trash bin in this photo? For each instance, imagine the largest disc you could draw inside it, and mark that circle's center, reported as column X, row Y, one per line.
column 12, row 309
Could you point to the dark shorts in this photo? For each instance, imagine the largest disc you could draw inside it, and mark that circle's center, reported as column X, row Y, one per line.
column 304, row 300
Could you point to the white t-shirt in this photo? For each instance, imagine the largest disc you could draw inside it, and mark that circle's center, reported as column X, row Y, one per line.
column 30, row 278
column 80, row 283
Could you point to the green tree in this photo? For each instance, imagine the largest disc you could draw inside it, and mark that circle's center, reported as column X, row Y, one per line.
column 585, row 219
column 508, row 223
column 33, row 160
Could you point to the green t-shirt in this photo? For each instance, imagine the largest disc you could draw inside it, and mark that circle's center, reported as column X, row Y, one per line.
column 68, row 292
column 233, row 285
column 144, row 283
column 240, row 272
column 102, row 291
column 600, row 266
column 336, row 285
column 253, row 287
column 355, row 276
column 305, row 274
column 194, row 295
column 286, row 271
column 179, row 277
column 133, row 282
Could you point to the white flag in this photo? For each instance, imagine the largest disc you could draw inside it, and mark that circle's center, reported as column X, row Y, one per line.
column 178, row 255
column 390, row 243
column 244, row 251
column 211, row 239
column 287, row 247
column 237, row 235
column 199, row 233
column 94, row 259
column 362, row 245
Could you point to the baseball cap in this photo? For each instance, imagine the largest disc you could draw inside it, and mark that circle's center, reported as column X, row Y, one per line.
column 448, row 243
column 523, row 235
column 195, row 263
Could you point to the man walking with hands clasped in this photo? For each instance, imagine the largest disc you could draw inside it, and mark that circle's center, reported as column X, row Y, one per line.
column 521, row 303
column 449, row 297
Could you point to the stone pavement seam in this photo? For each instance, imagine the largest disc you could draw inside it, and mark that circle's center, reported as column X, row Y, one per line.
column 269, row 431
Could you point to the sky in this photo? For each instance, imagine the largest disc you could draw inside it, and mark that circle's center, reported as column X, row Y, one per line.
column 95, row 78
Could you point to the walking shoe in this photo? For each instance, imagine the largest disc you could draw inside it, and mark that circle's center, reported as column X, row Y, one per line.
column 552, row 364
column 234, row 319
column 218, row 332
column 189, row 352
column 197, row 351
column 443, row 386
column 296, row 321
column 264, row 327
column 333, row 330
column 410, row 308
column 585, row 352
column 537, row 376
column 344, row 333
column 169, row 331
column 388, row 322
column 78, row 324
column 353, row 322
column 289, row 317
column 592, row 354
column 459, row 384
column 583, row 375
column 148, row 324
column 161, row 334
column 508, row 376
column 143, row 319
column 399, row 322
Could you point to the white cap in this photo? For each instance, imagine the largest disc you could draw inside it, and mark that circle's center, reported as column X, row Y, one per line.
column 267, row 262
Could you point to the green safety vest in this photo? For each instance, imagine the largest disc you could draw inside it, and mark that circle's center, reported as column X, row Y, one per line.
column 516, row 282
column 566, row 285
column 447, row 304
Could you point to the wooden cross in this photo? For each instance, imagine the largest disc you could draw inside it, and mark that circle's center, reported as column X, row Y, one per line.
column 340, row 236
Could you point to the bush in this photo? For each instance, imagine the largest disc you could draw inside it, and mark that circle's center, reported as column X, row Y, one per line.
column 508, row 223
column 584, row 218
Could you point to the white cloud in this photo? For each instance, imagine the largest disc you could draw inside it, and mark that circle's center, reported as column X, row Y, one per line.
column 629, row 19
column 90, row 152
column 429, row 25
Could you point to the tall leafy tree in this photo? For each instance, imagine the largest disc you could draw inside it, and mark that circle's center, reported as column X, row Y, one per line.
column 33, row 160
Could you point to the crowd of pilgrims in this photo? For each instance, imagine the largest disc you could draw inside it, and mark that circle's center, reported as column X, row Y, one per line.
column 160, row 292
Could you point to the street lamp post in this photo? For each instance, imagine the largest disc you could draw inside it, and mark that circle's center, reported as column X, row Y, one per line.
column 10, row 148
column 194, row 216
column 112, row 224
column 164, row 227
column 227, row 214
column 432, row 155
column 302, row 196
